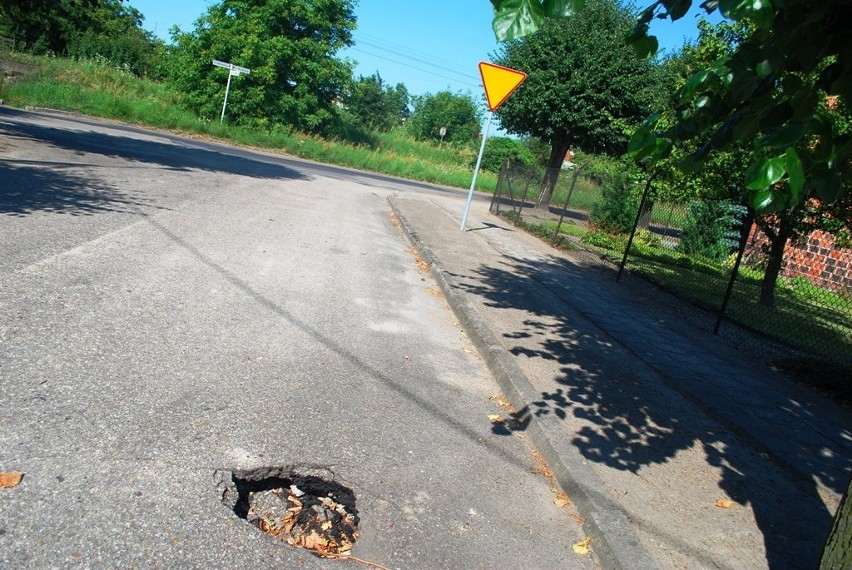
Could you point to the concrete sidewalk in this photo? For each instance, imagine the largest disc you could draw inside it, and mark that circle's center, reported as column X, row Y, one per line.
column 679, row 451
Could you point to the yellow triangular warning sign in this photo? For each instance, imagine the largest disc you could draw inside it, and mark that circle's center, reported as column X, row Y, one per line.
column 499, row 82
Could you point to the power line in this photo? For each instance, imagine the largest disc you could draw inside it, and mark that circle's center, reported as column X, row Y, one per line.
column 464, row 74
column 395, row 47
column 415, row 67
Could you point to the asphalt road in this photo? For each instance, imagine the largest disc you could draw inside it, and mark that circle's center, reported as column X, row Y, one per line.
column 173, row 310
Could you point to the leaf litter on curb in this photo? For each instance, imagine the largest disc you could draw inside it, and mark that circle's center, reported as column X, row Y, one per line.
column 561, row 499
column 582, row 547
column 9, row 479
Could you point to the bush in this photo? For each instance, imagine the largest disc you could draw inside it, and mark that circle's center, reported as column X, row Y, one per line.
column 712, row 229
column 616, row 212
column 458, row 114
column 498, row 149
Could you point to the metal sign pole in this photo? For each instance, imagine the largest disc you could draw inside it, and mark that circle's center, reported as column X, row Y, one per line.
column 232, row 70
column 476, row 169
column 225, row 104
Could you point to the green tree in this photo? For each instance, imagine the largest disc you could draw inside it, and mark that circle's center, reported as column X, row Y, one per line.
column 772, row 89
column 498, row 149
column 84, row 28
column 457, row 113
column 116, row 34
column 378, row 106
column 584, row 89
column 45, row 26
column 723, row 173
column 290, row 47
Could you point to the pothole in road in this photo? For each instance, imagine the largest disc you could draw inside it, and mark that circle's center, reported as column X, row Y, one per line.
column 304, row 510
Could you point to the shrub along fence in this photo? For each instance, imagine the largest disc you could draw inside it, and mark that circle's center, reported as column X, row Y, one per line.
column 706, row 253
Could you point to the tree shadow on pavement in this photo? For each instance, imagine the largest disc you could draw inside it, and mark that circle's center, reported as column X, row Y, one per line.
column 135, row 148
column 25, row 190
column 626, row 415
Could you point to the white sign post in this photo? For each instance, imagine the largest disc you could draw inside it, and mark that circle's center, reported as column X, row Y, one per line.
column 499, row 82
column 233, row 70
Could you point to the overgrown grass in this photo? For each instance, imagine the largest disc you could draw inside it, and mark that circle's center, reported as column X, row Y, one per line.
column 97, row 89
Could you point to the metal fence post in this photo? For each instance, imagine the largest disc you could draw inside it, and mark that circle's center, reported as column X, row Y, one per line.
column 635, row 225
column 745, row 230
column 568, row 199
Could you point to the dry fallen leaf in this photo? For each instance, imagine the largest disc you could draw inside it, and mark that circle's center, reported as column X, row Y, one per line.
column 9, row 479
column 495, row 418
column 582, row 547
column 502, row 402
column 724, row 503
column 435, row 292
column 561, row 500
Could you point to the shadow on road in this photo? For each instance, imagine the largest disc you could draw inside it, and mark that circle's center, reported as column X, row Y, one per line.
column 28, row 189
column 630, row 420
column 24, row 187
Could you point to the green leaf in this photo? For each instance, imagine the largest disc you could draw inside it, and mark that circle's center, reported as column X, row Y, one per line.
column 723, row 135
column 763, row 69
column 759, row 12
column 796, row 172
column 562, row 8
column 694, row 83
column 516, row 18
column 677, row 9
column 652, row 121
column 783, row 137
column 741, row 87
column 764, row 173
column 647, row 15
column 828, row 187
column 703, row 101
column 662, row 149
column 769, row 200
column 641, row 144
column 645, row 46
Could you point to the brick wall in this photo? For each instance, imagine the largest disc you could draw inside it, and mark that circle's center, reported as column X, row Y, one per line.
column 815, row 257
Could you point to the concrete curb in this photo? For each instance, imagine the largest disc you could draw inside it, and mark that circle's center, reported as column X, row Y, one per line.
column 613, row 539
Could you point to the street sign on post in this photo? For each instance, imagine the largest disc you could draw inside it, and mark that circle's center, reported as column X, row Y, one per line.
column 499, row 82
column 233, row 70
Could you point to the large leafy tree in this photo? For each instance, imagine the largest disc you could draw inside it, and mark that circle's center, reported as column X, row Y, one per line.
column 724, row 172
column 107, row 28
column 376, row 105
column 115, row 33
column 585, row 88
column 771, row 89
column 456, row 113
column 290, row 47
column 45, row 26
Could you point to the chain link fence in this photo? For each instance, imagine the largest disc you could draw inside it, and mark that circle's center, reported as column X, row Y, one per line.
column 709, row 255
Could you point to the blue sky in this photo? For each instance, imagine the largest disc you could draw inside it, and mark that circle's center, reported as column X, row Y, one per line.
column 429, row 46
